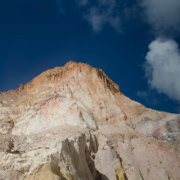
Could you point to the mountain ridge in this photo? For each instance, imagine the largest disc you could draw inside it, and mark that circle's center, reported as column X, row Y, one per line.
column 56, row 72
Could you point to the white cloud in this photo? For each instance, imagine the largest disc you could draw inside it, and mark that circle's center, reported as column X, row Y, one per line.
column 163, row 67
column 82, row 2
column 95, row 19
column 105, row 12
column 163, row 15
column 97, row 13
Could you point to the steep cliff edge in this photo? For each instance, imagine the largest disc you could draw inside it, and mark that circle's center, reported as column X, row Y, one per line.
column 74, row 123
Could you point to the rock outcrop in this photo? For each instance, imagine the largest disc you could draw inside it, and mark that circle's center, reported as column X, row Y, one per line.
column 74, row 123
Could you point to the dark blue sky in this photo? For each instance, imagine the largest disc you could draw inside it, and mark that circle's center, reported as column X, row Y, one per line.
column 39, row 35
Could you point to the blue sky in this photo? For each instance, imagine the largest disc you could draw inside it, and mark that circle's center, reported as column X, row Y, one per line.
column 136, row 42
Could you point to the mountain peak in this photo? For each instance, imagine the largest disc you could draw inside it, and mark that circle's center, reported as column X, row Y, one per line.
column 77, row 71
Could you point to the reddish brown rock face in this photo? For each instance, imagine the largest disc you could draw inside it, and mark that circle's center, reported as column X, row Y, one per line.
column 73, row 122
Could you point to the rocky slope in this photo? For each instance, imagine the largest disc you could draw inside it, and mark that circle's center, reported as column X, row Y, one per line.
column 73, row 123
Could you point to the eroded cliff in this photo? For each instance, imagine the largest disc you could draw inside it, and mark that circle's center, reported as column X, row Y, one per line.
column 73, row 123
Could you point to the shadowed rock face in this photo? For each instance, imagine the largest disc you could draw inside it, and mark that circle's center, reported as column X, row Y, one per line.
column 73, row 123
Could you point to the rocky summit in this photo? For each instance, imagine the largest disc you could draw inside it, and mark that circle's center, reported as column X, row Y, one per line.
column 74, row 123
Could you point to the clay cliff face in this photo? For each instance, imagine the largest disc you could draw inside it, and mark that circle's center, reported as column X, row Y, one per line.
column 73, row 123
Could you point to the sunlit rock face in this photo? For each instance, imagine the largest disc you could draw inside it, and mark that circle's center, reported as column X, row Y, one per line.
column 74, row 123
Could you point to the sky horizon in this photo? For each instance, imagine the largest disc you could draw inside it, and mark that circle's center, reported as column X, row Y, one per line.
column 136, row 43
